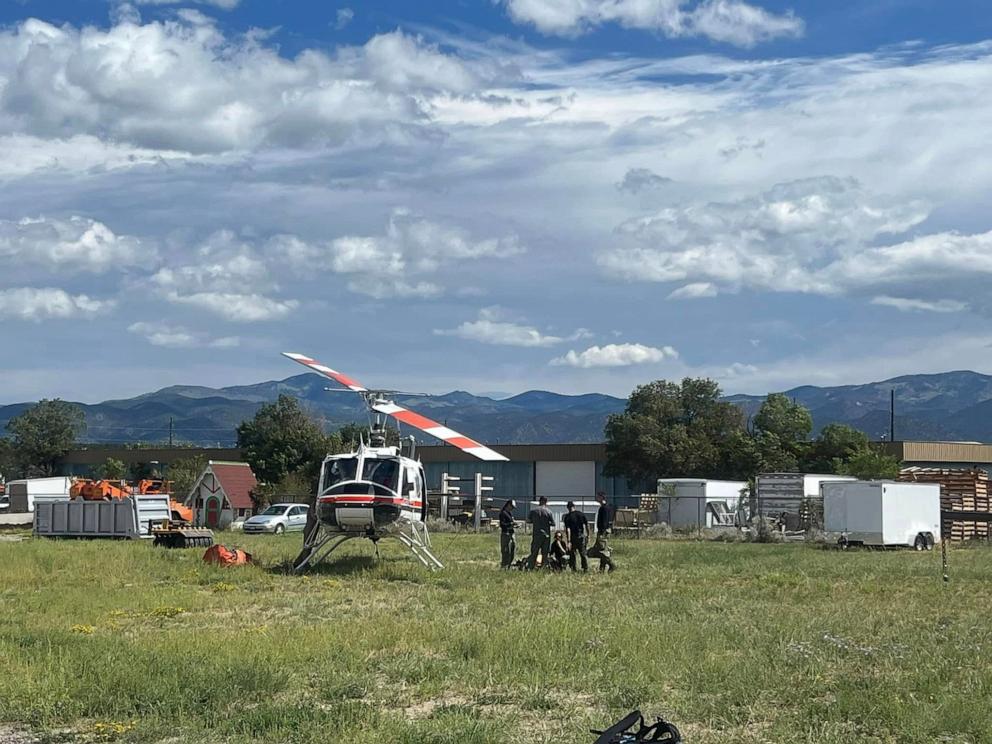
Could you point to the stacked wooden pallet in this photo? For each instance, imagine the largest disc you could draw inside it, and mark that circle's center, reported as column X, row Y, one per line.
column 960, row 490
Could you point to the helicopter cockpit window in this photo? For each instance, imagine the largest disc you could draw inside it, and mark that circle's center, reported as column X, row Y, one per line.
column 337, row 471
column 383, row 472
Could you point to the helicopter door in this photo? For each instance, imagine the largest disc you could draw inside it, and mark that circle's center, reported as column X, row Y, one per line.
column 409, row 485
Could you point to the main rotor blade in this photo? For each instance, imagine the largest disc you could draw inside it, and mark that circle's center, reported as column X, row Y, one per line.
column 439, row 431
column 326, row 371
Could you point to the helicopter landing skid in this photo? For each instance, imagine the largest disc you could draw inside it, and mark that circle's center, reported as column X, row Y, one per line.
column 321, row 544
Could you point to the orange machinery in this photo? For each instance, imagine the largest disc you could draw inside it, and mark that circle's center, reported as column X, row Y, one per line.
column 106, row 490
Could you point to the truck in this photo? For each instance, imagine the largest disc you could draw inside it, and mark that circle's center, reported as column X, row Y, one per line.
column 25, row 493
column 697, row 503
column 882, row 513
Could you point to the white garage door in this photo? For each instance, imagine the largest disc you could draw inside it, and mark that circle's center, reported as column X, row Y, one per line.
column 566, row 479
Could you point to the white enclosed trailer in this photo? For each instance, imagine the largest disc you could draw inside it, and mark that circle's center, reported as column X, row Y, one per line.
column 697, row 503
column 883, row 513
column 24, row 493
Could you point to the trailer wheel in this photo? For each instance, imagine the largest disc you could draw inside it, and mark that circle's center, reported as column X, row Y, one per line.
column 920, row 543
column 930, row 540
column 843, row 543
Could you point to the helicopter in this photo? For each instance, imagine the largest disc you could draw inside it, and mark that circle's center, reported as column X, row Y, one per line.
column 376, row 491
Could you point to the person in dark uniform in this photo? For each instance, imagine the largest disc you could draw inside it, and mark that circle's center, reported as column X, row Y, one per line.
column 577, row 525
column 507, row 541
column 559, row 553
column 604, row 525
column 542, row 525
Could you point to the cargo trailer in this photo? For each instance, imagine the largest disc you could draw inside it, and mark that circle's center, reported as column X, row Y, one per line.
column 25, row 493
column 127, row 518
column 697, row 503
column 883, row 513
column 793, row 499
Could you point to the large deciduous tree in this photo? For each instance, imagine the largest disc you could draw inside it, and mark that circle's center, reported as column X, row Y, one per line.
column 671, row 429
column 282, row 439
column 44, row 433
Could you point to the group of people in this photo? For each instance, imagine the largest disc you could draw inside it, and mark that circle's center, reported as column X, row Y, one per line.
column 556, row 549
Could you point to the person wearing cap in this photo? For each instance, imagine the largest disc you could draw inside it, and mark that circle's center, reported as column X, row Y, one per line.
column 578, row 528
column 604, row 525
column 542, row 526
column 507, row 541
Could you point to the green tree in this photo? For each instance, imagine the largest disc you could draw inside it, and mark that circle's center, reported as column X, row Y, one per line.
column 282, row 439
column 870, row 464
column 671, row 429
column 112, row 469
column 790, row 422
column 44, row 433
column 184, row 474
column 836, row 443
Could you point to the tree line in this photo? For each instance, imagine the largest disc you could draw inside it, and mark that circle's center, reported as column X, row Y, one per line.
column 684, row 429
column 667, row 429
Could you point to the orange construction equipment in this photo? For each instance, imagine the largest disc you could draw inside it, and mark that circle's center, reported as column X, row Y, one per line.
column 154, row 485
column 99, row 490
column 180, row 512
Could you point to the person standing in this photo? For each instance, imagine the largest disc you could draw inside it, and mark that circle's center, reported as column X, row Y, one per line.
column 577, row 525
column 542, row 525
column 507, row 541
column 604, row 525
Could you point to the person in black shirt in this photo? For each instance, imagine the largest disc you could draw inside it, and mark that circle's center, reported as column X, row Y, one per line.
column 604, row 525
column 543, row 524
column 507, row 542
column 578, row 533
column 559, row 553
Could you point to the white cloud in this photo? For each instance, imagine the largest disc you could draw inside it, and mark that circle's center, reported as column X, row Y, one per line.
column 694, row 291
column 615, row 355
column 739, row 369
column 491, row 329
column 228, row 278
column 343, row 18
column 181, row 85
column 178, row 337
column 803, row 236
column 237, row 307
column 66, row 244
column 30, row 303
column 641, row 179
column 730, row 21
column 905, row 304
column 393, row 263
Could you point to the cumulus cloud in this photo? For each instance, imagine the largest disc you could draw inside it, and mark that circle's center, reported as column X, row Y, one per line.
column 906, row 304
column 228, row 278
column 182, row 85
column 396, row 262
column 740, row 369
column 615, row 355
column 641, row 179
column 804, row 236
column 730, row 21
column 178, row 337
column 31, row 303
column 490, row 328
column 76, row 243
column 694, row 291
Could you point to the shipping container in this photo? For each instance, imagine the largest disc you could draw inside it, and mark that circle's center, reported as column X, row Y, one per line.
column 883, row 513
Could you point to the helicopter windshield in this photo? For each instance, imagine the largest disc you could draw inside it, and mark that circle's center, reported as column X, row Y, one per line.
column 337, row 471
column 384, row 472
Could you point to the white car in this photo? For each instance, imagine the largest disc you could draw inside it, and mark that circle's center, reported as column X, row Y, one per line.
column 4, row 502
column 277, row 519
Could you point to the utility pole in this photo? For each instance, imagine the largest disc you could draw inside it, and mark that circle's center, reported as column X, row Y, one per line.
column 892, row 415
column 170, row 430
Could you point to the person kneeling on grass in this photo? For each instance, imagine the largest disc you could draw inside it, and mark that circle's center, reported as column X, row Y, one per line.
column 559, row 553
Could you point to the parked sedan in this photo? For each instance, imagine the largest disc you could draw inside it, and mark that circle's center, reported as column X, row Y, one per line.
column 278, row 518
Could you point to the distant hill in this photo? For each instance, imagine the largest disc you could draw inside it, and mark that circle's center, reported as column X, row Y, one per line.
column 948, row 406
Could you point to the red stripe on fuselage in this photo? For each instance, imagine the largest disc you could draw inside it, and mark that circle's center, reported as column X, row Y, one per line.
column 368, row 500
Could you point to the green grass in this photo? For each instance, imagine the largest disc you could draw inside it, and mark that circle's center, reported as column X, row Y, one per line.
column 733, row 642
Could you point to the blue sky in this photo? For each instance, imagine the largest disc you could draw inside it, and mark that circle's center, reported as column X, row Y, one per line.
column 577, row 195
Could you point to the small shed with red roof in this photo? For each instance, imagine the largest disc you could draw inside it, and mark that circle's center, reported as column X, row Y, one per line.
column 222, row 494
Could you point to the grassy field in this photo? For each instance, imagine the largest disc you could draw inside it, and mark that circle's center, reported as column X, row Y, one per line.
column 733, row 642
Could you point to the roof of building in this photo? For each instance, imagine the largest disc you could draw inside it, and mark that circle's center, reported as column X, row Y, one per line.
column 237, row 480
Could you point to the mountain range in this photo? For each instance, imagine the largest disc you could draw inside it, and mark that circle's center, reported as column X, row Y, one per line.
column 947, row 406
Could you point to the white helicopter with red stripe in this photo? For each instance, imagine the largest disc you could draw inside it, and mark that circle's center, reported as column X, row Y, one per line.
column 375, row 492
